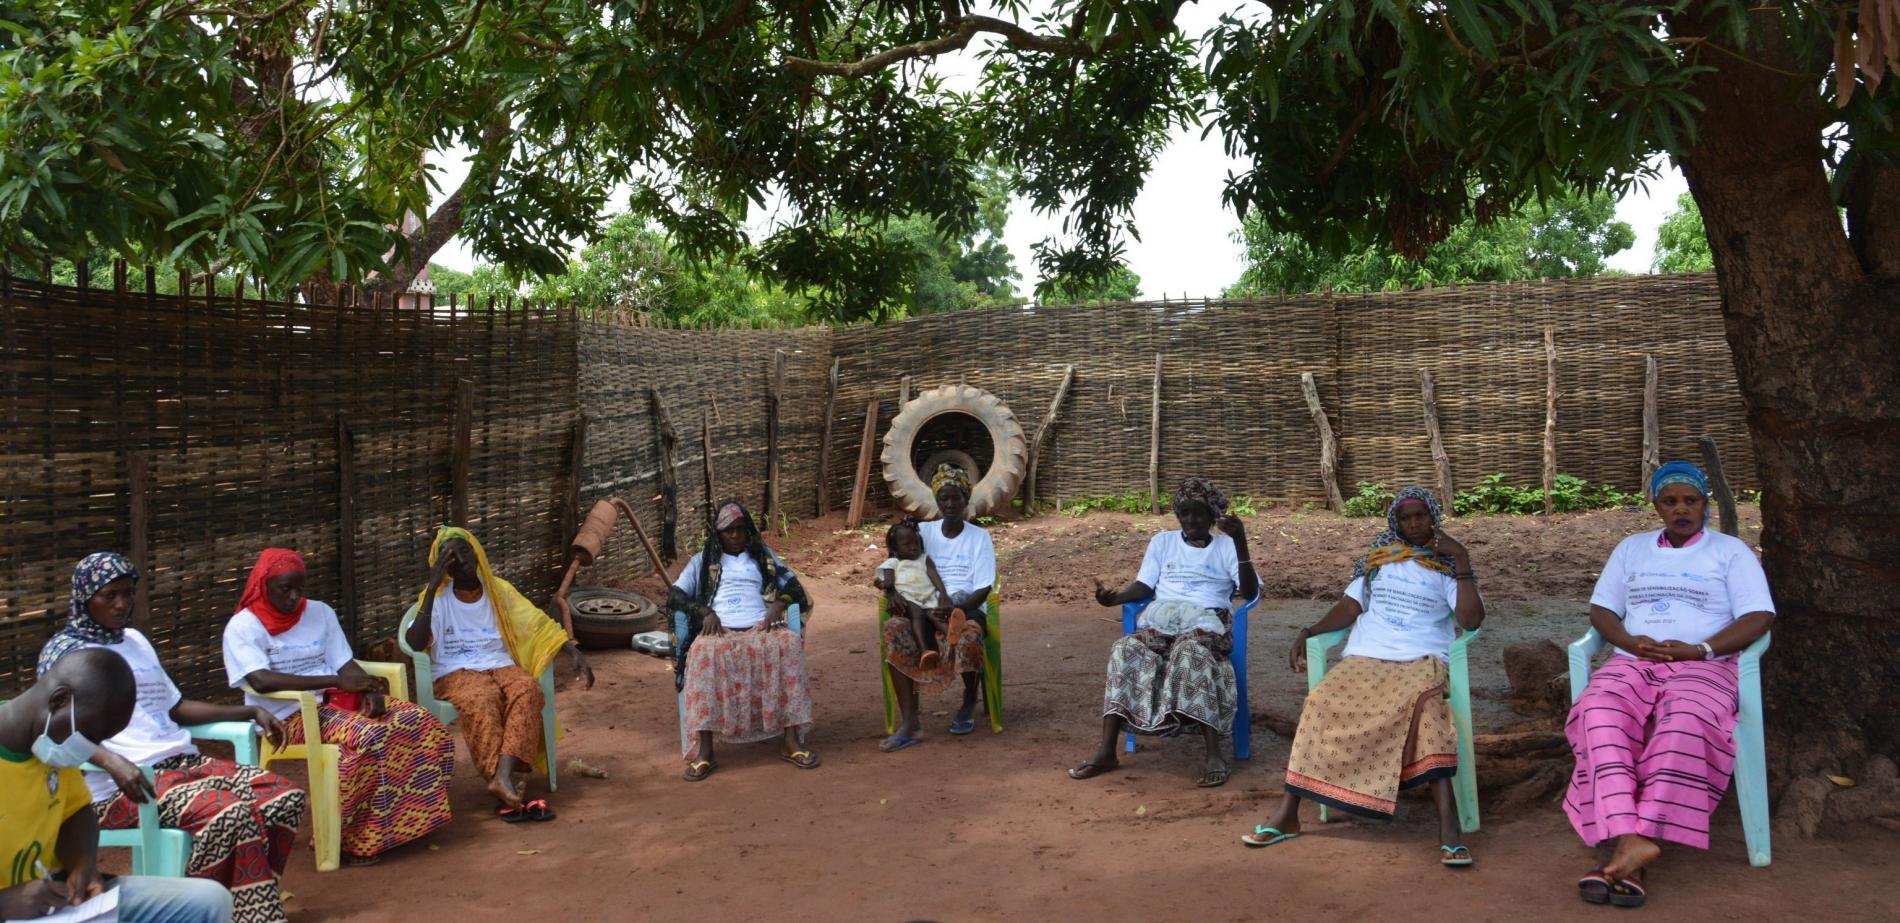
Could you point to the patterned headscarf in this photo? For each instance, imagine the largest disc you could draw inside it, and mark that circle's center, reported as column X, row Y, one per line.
column 1678, row 472
column 81, row 630
column 1203, row 490
column 949, row 474
column 1391, row 547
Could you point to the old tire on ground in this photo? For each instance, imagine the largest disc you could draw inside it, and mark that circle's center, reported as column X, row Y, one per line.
column 1008, row 450
column 605, row 617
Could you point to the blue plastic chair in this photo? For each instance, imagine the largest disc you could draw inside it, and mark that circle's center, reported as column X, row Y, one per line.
column 1465, row 783
column 1243, row 715
column 160, row 850
column 1751, row 758
column 679, row 632
column 446, row 713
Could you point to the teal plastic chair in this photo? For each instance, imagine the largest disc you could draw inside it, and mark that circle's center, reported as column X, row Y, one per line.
column 446, row 713
column 1465, row 783
column 679, row 632
column 160, row 850
column 992, row 684
column 1751, row 758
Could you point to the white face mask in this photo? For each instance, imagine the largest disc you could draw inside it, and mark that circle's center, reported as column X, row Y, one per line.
column 71, row 753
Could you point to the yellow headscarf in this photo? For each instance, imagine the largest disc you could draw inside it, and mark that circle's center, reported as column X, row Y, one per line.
column 532, row 638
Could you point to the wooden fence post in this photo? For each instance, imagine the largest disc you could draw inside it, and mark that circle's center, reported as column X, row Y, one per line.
column 1328, row 449
column 138, row 485
column 903, row 393
column 706, row 459
column 1652, row 436
column 862, row 480
column 346, row 524
column 1154, row 443
column 1428, row 396
column 774, row 391
column 1718, row 485
column 824, row 445
column 1550, row 418
column 464, row 443
column 1042, row 433
column 668, row 439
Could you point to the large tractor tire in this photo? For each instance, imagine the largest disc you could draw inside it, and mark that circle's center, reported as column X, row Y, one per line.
column 952, row 406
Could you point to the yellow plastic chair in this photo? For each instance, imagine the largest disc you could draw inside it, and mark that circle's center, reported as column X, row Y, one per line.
column 326, row 809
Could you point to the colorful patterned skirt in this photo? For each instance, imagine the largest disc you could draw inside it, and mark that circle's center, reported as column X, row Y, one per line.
column 1162, row 684
column 745, row 686
column 1655, row 747
column 500, row 714
column 1370, row 729
column 242, row 821
column 904, row 655
column 393, row 773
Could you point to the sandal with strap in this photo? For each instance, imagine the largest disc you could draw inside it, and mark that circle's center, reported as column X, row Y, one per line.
column 1595, row 887
column 514, row 815
column 1090, row 770
column 803, row 759
column 1264, row 835
column 538, row 810
column 1214, row 778
column 1455, row 856
column 1629, row 892
column 699, row 770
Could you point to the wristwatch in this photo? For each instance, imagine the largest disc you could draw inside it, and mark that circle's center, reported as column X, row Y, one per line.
column 1708, row 652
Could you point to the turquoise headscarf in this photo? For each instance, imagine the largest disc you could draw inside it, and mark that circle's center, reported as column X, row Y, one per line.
column 1678, row 472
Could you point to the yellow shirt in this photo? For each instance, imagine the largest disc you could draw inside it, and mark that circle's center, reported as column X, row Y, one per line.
column 35, row 799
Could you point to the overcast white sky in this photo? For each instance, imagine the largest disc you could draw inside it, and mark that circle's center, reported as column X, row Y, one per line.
column 1186, row 246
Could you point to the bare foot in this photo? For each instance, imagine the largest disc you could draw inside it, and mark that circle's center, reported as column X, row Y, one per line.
column 1633, row 853
column 502, row 786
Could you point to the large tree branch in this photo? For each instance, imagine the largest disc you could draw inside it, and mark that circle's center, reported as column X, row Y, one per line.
column 446, row 221
column 962, row 31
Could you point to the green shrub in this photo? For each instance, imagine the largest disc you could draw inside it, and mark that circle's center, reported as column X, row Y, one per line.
column 1138, row 502
column 1568, row 493
column 1371, row 500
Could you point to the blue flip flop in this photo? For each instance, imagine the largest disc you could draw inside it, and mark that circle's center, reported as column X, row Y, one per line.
column 965, row 726
column 1264, row 835
column 897, row 742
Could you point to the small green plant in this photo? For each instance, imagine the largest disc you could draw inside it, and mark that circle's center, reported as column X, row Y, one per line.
column 1370, row 500
column 986, row 521
column 1138, row 502
column 1243, row 506
column 1568, row 493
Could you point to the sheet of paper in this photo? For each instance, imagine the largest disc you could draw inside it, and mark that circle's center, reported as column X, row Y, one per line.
column 101, row 909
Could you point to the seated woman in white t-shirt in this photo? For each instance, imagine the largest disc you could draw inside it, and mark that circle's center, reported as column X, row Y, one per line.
column 1172, row 674
column 965, row 558
column 1378, row 722
column 1677, row 604
column 488, row 646
column 396, row 759
column 740, row 669
column 242, row 820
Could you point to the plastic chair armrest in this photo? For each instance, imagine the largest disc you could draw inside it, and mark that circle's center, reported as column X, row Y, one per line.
column 394, row 673
column 241, row 735
column 1316, row 648
column 1582, row 651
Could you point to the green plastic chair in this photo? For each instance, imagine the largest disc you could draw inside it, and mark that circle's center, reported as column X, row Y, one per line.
column 446, row 713
column 1751, row 758
column 164, row 851
column 1465, row 783
column 992, row 685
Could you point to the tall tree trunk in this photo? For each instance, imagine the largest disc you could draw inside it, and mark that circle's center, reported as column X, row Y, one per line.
column 1813, row 323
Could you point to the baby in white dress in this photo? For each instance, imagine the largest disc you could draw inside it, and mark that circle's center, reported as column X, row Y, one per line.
column 913, row 588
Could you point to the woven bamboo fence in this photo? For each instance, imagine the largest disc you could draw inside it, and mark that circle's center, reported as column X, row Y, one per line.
column 226, row 415
column 1231, row 403
column 235, row 410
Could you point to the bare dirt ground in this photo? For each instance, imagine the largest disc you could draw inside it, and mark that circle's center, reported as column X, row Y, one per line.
column 988, row 827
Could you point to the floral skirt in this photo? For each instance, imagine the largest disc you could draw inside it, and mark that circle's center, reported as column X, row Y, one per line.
column 744, row 686
column 392, row 776
column 965, row 654
column 242, row 820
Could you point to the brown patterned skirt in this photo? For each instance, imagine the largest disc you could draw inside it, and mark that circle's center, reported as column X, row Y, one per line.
column 1371, row 728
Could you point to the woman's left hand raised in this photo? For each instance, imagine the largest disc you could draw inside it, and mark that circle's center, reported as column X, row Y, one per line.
column 1232, row 525
column 1452, row 546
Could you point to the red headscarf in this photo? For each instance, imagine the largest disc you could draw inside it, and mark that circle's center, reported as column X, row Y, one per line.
column 273, row 562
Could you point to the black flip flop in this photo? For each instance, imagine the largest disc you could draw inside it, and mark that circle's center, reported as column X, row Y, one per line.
column 538, row 810
column 513, row 815
column 1629, row 892
column 1214, row 778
